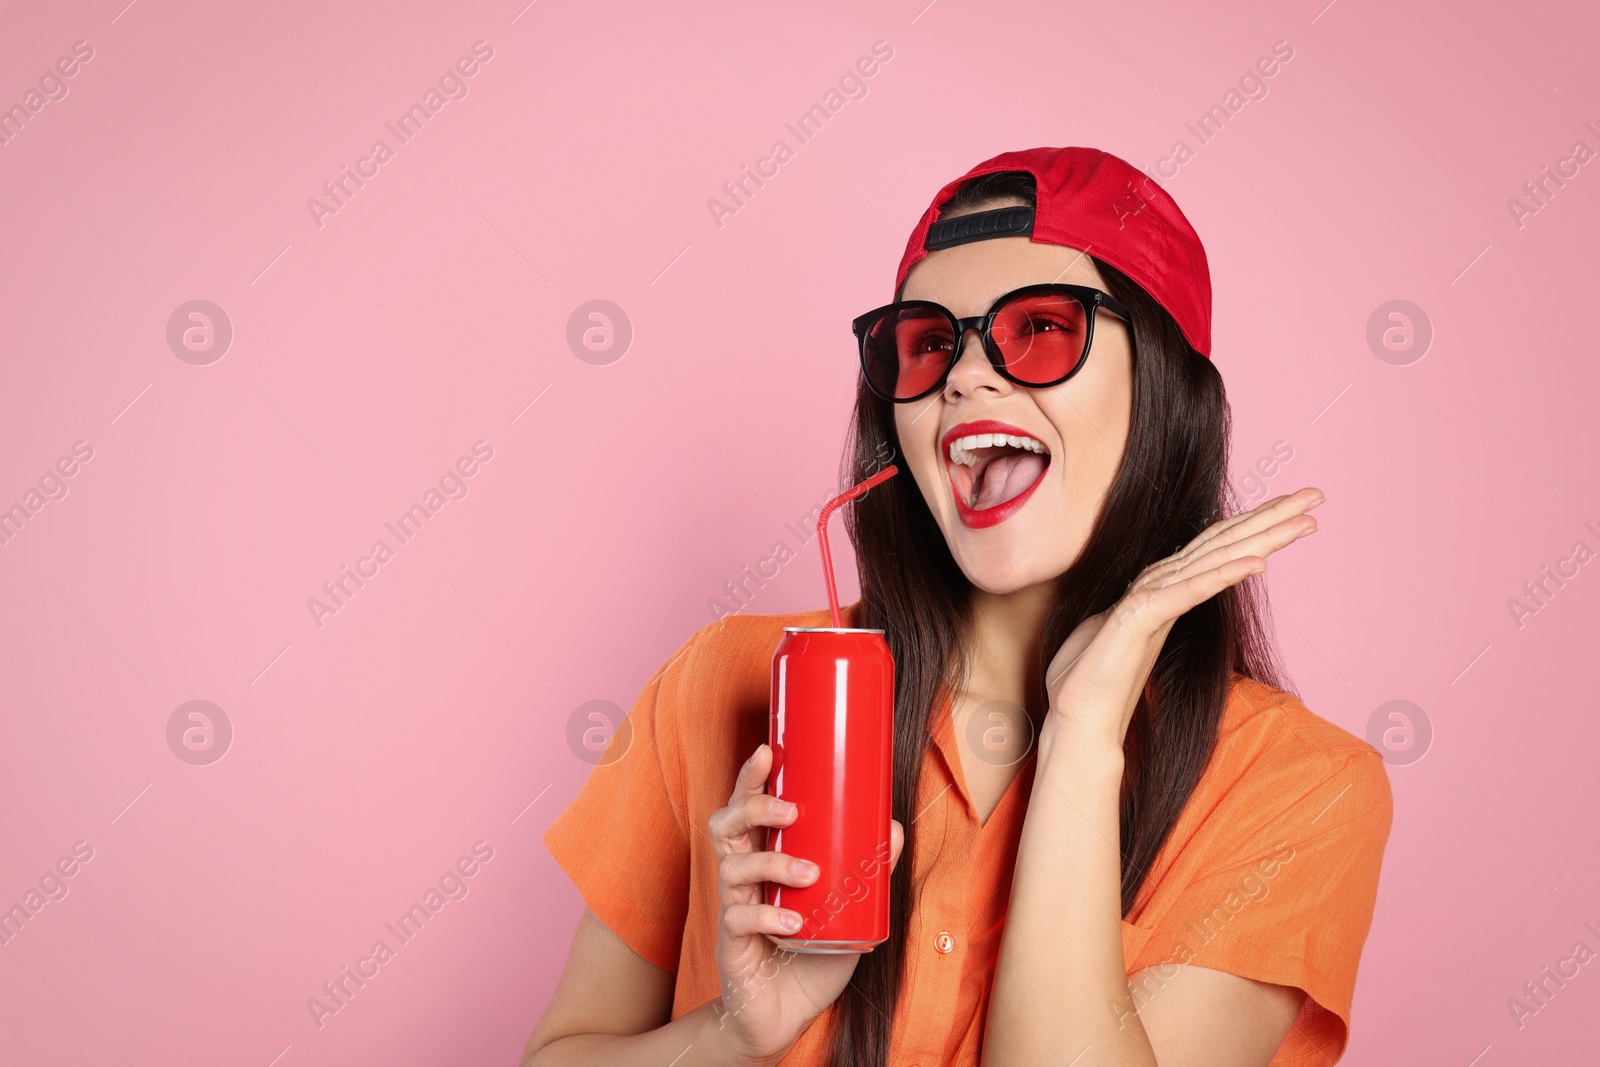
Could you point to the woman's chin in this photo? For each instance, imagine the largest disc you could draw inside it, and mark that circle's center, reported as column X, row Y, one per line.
column 1010, row 558
column 1001, row 575
column 1014, row 554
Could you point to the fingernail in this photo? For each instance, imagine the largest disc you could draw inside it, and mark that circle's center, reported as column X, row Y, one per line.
column 789, row 921
column 804, row 868
column 782, row 807
column 753, row 755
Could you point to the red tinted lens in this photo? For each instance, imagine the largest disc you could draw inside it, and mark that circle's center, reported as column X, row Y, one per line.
column 1041, row 337
column 907, row 351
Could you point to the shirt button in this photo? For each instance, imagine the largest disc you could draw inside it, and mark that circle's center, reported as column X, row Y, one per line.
column 944, row 942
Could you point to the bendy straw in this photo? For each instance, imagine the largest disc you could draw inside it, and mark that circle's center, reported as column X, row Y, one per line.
column 822, row 534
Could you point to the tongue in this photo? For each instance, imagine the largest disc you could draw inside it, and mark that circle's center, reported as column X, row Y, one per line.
column 1004, row 477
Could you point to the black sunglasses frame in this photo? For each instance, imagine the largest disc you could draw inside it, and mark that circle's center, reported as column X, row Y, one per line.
column 1090, row 299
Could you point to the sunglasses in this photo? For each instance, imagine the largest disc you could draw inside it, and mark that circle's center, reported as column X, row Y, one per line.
column 1036, row 336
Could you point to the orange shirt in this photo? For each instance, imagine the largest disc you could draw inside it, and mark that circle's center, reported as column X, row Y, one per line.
column 1270, row 872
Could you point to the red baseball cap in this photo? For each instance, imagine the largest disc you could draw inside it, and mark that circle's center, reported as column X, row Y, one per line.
column 1092, row 201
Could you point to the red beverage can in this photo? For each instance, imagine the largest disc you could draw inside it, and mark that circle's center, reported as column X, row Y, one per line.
column 832, row 736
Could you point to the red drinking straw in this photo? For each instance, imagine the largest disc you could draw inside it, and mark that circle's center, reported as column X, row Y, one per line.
column 822, row 534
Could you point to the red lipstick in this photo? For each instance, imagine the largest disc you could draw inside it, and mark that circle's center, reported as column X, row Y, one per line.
column 982, row 518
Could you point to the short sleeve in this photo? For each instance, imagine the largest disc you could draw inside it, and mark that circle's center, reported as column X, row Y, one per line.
column 1286, row 893
column 627, row 819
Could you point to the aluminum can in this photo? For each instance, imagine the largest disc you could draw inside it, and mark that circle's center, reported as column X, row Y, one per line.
column 832, row 737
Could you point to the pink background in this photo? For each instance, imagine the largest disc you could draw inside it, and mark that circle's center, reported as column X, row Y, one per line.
column 432, row 711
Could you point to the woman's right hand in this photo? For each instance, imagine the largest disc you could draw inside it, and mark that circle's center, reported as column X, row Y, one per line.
column 769, row 996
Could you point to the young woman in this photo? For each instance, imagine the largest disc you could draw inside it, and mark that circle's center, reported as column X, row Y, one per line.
column 1118, row 838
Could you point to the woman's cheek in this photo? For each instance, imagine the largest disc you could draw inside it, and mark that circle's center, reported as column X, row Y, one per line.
column 922, row 455
column 930, row 480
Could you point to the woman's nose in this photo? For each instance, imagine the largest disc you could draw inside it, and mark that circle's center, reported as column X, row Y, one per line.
column 973, row 373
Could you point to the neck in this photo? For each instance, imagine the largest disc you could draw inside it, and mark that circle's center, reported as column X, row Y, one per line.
column 1007, row 634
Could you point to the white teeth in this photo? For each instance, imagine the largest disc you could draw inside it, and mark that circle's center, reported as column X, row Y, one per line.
column 962, row 448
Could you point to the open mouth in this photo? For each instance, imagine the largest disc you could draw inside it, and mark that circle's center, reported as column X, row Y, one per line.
column 994, row 468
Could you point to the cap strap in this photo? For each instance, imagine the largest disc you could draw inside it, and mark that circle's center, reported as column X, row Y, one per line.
column 1013, row 221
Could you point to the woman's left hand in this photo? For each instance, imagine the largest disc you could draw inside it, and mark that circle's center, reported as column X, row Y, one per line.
column 1096, row 678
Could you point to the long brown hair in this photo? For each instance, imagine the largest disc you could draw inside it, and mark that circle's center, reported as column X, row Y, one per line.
column 1171, row 485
